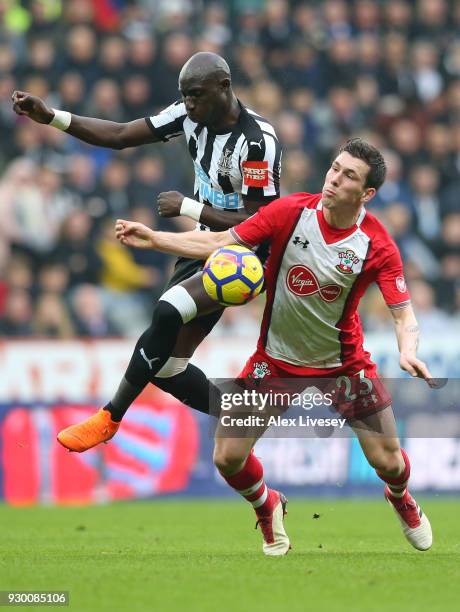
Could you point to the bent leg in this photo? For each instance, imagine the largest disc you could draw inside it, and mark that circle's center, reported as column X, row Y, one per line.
column 176, row 307
column 151, row 355
column 183, row 380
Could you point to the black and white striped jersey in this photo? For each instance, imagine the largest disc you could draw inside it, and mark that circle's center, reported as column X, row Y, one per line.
column 243, row 162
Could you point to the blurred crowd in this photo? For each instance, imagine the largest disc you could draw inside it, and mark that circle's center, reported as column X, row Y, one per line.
column 320, row 71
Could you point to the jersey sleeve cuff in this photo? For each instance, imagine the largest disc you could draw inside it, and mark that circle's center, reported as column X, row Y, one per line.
column 399, row 305
column 239, row 240
column 148, row 121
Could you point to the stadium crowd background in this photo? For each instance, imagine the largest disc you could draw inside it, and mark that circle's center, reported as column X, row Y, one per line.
column 320, row 71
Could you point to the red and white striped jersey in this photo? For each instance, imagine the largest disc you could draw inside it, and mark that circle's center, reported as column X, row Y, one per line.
column 315, row 276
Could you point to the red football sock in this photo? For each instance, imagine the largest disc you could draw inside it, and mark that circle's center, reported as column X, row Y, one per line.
column 398, row 484
column 249, row 482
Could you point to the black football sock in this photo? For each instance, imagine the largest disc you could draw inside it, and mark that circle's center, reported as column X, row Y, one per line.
column 191, row 387
column 122, row 400
column 155, row 346
column 151, row 352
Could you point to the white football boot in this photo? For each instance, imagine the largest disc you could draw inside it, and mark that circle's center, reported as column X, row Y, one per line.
column 415, row 524
column 276, row 541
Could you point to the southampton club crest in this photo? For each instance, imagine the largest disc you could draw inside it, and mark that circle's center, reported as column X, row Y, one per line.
column 347, row 260
column 261, row 370
column 224, row 165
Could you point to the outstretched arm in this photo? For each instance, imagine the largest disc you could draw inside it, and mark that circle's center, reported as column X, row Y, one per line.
column 197, row 245
column 407, row 333
column 97, row 132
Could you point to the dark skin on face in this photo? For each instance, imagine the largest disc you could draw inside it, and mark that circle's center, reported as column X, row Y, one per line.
column 209, row 100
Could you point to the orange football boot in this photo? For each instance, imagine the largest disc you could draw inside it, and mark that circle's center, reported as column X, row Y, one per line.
column 94, row 430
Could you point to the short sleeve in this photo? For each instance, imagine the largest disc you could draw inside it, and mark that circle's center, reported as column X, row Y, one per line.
column 390, row 279
column 263, row 225
column 169, row 123
column 260, row 165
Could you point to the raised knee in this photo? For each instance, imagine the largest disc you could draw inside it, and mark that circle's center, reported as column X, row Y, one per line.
column 178, row 299
column 165, row 314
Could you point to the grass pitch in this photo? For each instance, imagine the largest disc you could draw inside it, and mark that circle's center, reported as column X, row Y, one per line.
column 205, row 556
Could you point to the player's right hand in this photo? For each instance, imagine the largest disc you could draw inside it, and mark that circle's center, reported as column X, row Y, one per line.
column 134, row 234
column 417, row 369
column 31, row 106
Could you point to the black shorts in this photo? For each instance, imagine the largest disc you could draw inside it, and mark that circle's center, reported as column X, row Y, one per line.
column 185, row 268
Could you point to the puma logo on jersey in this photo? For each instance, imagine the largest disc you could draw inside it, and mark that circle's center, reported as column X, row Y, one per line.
column 149, row 361
column 257, row 143
column 298, row 240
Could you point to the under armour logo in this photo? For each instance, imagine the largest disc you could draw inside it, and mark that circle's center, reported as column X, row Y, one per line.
column 149, row 361
column 257, row 143
column 298, row 240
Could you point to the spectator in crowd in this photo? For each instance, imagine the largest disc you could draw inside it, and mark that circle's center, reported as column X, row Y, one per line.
column 431, row 319
column 447, row 251
column 395, row 187
column 124, row 283
column 71, row 91
column 425, row 182
column 113, row 187
column 89, row 316
column 16, row 321
column 149, row 179
column 76, row 250
column 53, row 279
column 51, row 318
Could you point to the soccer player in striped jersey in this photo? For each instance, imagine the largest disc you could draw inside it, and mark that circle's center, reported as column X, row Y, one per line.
column 237, row 158
column 326, row 249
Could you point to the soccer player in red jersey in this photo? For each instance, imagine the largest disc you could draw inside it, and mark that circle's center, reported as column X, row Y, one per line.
column 326, row 249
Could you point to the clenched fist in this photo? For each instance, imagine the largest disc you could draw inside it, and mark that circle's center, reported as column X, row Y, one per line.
column 169, row 203
column 31, row 106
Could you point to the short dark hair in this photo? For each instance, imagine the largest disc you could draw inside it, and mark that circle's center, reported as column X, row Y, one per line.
column 361, row 149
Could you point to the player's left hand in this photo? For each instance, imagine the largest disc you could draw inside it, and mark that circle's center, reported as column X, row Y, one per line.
column 169, row 203
column 417, row 369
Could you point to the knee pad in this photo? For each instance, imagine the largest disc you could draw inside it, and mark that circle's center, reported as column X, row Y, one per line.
column 182, row 301
column 174, row 366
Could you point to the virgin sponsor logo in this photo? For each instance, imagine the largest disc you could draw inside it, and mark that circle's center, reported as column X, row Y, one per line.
column 300, row 280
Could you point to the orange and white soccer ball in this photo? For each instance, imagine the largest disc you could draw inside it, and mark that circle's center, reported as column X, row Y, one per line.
column 233, row 275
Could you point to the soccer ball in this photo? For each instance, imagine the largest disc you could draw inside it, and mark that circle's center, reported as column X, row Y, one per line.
column 233, row 275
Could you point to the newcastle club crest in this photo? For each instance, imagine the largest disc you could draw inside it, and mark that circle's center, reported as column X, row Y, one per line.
column 224, row 165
